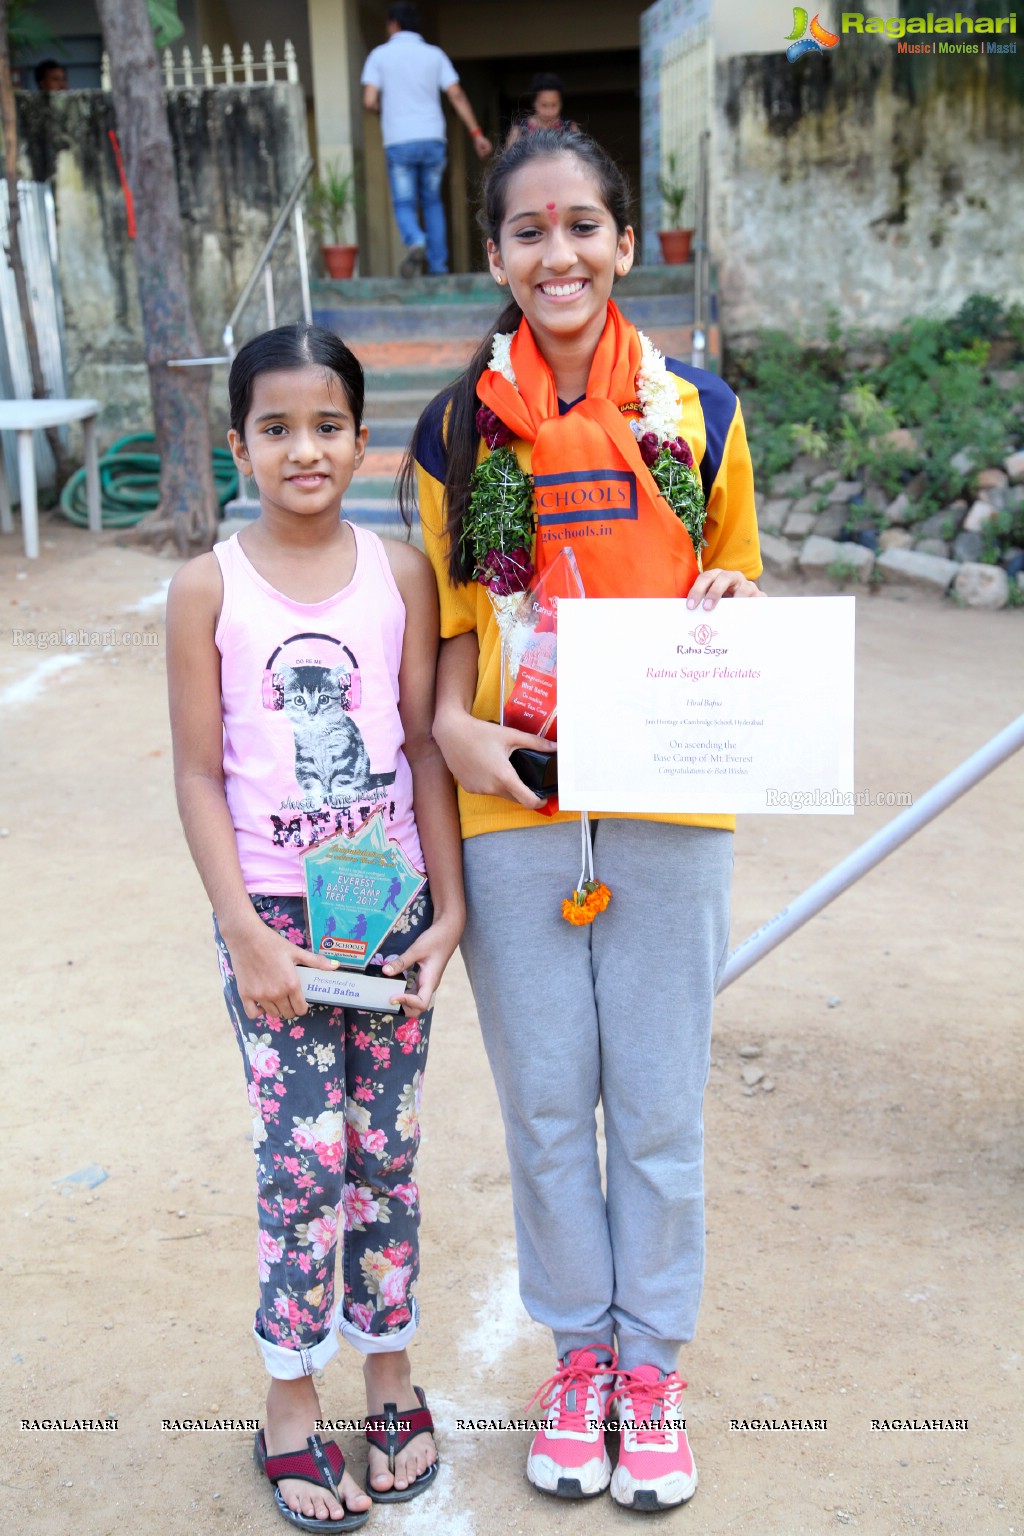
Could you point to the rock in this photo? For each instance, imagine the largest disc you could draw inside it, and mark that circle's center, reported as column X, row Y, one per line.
column 790, row 483
column 1012, row 563
column 779, row 556
column 844, row 491
column 939, row 526
column 900, row 440
column 799, row 524
column 767, row 1086
column 914, row 488
column 895, row 538
column 867, row 537
column 829, row 524
column 982, row 586
column 898, row 511
column 933, row 547
column 807, row 504
column 978, row 516
column 833, row 1002
column 818, row 554
column 772, row 514
column 1014, row 466
column 968, row 546
column 906, row 567
column 824, row 482
column 749, row 1051
column 752, row 1076
column 963, row 463
column 993, row 480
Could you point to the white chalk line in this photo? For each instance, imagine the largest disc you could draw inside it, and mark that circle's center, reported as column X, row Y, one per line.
column 500, row 1322
column 33, row 683
column 157, row 599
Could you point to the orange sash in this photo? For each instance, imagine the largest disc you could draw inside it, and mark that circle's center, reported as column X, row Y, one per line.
column 592, row 489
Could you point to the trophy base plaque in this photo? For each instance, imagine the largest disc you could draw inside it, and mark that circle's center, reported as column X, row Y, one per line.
column 351, row 989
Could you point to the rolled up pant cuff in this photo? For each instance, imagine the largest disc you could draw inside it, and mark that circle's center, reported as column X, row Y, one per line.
column 377, row 1343
column 289, row 1364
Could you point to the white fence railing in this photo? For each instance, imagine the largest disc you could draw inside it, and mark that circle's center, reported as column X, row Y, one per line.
column 245, row 70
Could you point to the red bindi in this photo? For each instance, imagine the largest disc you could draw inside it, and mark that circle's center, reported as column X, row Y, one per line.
column 550, row 207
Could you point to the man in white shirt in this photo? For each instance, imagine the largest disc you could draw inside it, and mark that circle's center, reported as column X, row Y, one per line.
column 403, row 80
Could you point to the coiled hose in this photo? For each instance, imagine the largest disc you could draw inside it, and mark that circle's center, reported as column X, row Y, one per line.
column 130, row 483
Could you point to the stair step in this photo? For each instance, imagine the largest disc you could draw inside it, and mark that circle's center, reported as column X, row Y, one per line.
column 356, row 322
column 381, row 461
column 391, row 431
column 466, row 288
column 378, row 356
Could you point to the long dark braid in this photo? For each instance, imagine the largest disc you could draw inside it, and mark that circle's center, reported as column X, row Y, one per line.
column 462, row 438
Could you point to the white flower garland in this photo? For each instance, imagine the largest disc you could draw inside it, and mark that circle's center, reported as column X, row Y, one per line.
column 657, row 393
column 501, row 357
column 655, row 385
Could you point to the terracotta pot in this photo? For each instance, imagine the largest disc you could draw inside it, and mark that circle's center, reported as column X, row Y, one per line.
column 675, row 245
column 340, row 260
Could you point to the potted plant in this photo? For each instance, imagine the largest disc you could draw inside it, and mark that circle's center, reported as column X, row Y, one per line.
column 331, row 199
column 675, row 241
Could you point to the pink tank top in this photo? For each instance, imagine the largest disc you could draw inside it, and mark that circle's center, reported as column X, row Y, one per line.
column 309, row 698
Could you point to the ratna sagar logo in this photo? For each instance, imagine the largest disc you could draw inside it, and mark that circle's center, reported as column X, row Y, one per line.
column 804, row 38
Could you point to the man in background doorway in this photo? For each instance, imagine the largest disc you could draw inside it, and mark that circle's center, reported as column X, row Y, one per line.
column 51, row 76
column 404, row 80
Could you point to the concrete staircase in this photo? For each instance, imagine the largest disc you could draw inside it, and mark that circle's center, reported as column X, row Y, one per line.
column 414, row 337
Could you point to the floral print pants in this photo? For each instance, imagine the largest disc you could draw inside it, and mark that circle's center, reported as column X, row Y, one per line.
column 335, row 1098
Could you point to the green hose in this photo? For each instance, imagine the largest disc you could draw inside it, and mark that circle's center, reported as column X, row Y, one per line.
column 130, row 483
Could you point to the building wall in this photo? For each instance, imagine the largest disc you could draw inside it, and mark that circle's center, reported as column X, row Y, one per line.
column 864, row 183
column 751, row 26
column 238, row 151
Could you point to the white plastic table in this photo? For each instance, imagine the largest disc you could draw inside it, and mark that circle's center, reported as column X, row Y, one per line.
column 26, row 417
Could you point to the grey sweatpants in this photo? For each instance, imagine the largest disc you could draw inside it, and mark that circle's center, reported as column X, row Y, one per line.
column 618, row 1012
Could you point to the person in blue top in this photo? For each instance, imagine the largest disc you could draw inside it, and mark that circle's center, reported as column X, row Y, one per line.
column 404, row 80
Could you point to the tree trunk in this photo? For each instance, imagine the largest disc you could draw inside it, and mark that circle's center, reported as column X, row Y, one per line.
column 9, row 118
column 188, row 508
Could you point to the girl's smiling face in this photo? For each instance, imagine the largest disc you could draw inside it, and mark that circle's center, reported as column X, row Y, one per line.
column 560, row 250
column 301, row 443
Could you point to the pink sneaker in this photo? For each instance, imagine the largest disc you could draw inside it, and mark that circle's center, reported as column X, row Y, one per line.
column 655, row 1468
column 568, row 1457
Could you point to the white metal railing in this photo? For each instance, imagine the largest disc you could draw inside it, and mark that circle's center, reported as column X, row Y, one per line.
column 245, row 70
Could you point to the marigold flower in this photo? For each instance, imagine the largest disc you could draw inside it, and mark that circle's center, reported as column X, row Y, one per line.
column 585, row 903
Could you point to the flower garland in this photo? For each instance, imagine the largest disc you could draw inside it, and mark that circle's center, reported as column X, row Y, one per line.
column 497, row 532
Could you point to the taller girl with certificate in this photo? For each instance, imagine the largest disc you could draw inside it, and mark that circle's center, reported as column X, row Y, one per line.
column 569, row 427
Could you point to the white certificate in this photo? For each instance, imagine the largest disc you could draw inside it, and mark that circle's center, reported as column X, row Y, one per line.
column 666, row 708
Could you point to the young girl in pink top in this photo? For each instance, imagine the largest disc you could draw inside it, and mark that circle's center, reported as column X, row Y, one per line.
column 301, row 660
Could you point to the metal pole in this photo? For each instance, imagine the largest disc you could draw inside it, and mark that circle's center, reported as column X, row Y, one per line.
column 877, row 847
column 268, row 294
column 303, row 261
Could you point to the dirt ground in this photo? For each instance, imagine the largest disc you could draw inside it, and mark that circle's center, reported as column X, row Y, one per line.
column 864, row 1214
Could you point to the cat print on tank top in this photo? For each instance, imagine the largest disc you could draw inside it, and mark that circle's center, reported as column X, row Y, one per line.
column 332, row 764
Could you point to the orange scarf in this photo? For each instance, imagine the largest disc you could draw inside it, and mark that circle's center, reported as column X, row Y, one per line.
column 592, row 489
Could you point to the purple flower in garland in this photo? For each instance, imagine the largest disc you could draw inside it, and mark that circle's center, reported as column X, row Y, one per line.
column 505, row 574
column 492, row 429
column 679, row 448
column 649, row 448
